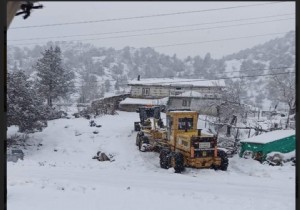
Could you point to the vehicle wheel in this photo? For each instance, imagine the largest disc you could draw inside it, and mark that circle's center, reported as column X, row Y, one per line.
column 138, row 136
column 164, row 159
column 137, row 140
column 140, row 144
column 137, row 126
column 224, row 160
column 143, row 140
column 213, row 166
column 178, row 162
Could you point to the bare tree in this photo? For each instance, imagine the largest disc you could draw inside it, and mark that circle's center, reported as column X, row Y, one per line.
column 282, row 89
column 231, row 103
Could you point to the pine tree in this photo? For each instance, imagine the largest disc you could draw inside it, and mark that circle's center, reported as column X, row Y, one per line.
column 54, row 80
column 25, row 108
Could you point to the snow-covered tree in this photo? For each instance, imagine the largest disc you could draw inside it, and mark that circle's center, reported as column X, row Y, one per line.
column 90, row 88
column 230, row 108
column 25, row 107
column 54, row 80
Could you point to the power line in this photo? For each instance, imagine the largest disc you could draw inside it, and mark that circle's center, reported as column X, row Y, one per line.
column 220, row 73
column 224, row 78
column 250, row 70
column 216, row 40
column 161, row 46
column 141, row 17
column 189, row 80
column 157, row 28
column 193, row 80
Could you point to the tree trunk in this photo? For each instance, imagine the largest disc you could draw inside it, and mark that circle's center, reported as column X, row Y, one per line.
column 49, row 101
column 288, row 118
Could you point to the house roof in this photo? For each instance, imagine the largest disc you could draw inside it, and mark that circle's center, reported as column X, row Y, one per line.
column 194, row 94
column 178, row 82
column 191, row 94
column 269, row 136
column 140, row 101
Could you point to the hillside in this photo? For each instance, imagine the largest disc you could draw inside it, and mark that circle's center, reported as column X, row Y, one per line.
column 111, row 69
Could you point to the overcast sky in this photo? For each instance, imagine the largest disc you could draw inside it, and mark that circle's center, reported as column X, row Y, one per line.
column 281, row 21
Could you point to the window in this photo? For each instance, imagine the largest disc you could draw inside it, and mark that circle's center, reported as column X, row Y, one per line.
column 185, row 123
column 146, row 91
column 186, row 102
column 184, row 143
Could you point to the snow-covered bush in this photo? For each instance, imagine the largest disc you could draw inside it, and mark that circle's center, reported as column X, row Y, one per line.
column 278, row 158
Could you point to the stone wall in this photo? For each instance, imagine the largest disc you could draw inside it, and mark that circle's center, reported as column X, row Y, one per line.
column 106, row 105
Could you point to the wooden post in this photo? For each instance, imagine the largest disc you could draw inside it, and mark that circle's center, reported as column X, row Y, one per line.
column 237, row 133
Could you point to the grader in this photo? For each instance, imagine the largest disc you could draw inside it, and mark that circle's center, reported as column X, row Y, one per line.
column 181, row 144
column 146, row 114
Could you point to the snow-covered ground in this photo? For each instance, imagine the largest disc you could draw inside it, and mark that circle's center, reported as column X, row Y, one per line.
column 61, row 174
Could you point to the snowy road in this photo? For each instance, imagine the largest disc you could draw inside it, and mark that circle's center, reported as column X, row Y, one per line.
column 63, row 175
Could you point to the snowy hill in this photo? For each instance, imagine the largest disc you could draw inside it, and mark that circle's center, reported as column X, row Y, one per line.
column 58, row 172
column 269, row 58
column 110, row 69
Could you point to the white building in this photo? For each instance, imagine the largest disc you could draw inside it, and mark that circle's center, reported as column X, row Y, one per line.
column 160, row 88
column 195, row 94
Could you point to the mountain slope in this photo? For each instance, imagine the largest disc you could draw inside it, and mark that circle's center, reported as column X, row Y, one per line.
column 112, row 66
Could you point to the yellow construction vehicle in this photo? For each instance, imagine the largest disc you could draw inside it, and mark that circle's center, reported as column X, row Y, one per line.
column 146, row 113
column 181, row 144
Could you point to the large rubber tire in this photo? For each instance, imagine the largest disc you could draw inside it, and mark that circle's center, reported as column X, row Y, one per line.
column 143, row 140
column 137, row 126
column 224, row 160
column 179, row 162
column 140, row 145
column 164, row 158
column 138, row 136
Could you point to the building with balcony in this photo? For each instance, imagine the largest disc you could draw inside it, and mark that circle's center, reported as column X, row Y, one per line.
column 195, row 94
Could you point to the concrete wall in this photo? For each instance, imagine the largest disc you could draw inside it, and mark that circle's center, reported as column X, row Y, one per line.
column 107, row 105
column 201, row 105
column 154, row 92
column 129, row 107
column 165, row 91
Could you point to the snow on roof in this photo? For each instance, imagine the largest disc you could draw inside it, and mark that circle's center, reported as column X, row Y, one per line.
column 162, row 101
column 180, row 111
column 178, row 81
column 192, row 93
column 270, row 136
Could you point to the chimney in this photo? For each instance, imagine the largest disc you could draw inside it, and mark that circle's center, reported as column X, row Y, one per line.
column 139, row 77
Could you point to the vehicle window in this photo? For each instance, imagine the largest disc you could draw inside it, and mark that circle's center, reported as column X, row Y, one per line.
column 185, row 123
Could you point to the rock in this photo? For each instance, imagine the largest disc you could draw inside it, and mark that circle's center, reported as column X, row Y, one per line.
column 101, row 156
